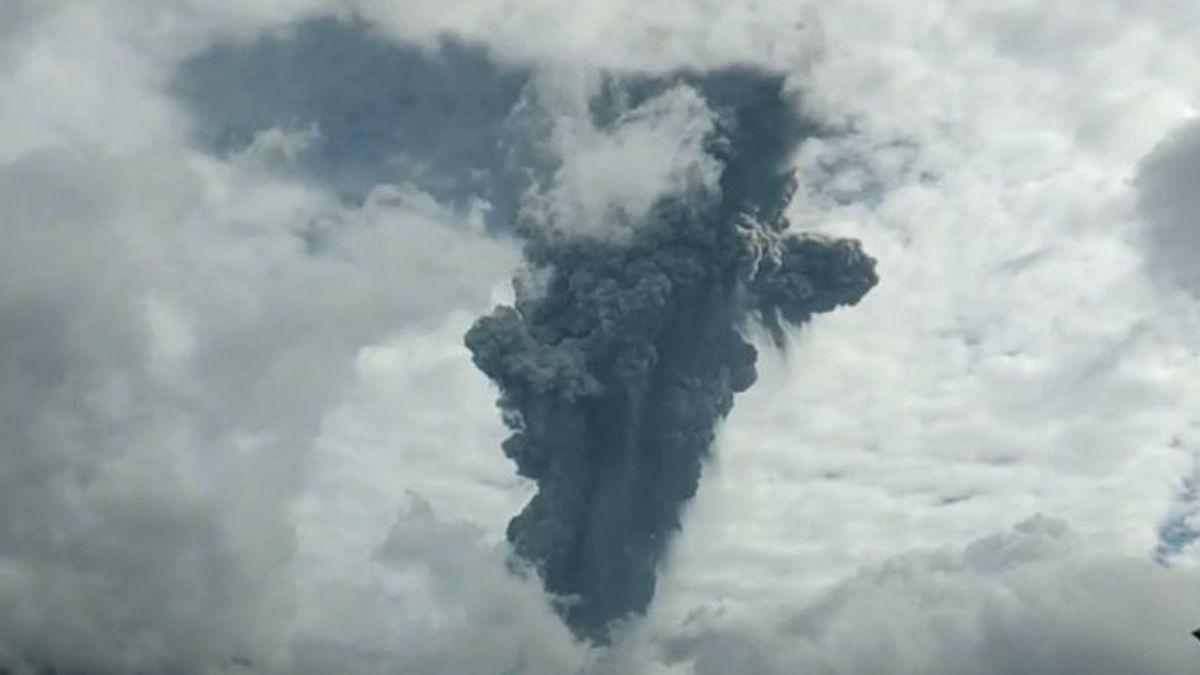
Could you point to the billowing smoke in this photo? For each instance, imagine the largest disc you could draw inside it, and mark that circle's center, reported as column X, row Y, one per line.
column 616, row 366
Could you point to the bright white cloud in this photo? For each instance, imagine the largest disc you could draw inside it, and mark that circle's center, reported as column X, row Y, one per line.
column 609, row 178
column 1025, row 601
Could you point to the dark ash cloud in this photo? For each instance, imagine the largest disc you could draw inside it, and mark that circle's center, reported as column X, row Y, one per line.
column 379, row 111
column 615, row 370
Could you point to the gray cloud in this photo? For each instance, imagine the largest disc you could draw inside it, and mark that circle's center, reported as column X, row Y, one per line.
column 1169, row 201
column 167, row 356
column 114, row 555
column 16, row 17
column 1168, row 194
column 381, row 111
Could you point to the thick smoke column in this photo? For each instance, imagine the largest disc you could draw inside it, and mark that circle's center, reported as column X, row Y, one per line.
column 615, row 371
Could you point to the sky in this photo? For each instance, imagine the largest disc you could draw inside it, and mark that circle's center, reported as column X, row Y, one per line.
column 239, row 431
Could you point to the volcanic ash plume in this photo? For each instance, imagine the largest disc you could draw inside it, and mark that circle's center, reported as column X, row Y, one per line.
column 616, row 369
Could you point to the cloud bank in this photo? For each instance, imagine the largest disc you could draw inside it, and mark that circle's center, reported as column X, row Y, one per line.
column 227, row 359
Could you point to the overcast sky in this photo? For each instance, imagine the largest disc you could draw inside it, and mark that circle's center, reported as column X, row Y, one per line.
column 243, row 238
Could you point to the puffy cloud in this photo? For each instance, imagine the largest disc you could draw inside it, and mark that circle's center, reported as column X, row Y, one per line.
column 1033, row 599
column 433, row 597
column 609, row 177
column 174, row 329
column 1025, row 601
column 1015, row 358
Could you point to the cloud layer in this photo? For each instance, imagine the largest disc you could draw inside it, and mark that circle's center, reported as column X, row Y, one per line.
column 222, row 372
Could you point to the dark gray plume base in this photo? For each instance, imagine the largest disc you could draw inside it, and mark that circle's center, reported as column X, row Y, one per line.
column 614, row 376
